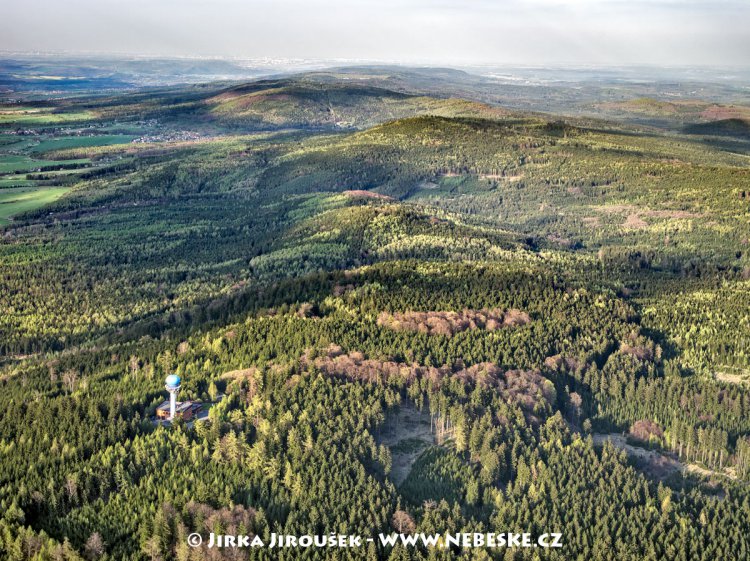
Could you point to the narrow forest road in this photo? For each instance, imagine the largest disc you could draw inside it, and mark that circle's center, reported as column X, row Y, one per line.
column 661, row 465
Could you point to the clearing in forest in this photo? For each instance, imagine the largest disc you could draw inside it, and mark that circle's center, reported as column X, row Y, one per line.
column 406, row 432
column 739, row 376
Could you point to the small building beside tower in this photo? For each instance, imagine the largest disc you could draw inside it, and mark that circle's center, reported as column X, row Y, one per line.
column 183, row 410
column 172, row 409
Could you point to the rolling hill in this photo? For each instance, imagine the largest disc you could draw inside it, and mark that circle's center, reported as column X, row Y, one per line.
column 398, row 309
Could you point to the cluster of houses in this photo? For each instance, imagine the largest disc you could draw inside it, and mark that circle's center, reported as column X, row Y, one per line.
column 172, row 136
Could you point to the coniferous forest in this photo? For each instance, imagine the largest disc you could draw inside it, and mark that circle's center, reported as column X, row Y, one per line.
column 398, row 311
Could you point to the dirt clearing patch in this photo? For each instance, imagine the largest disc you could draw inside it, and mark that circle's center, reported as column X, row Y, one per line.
column 406, row 432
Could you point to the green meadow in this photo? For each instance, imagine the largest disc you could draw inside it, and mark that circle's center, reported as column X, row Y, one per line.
column 16, row 201
column 11, row 163
column 15, row 181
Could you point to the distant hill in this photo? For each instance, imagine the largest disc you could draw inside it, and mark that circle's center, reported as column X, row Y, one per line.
column 68, row 76
column 738, row 128
column 295, row 103
column 684, row 109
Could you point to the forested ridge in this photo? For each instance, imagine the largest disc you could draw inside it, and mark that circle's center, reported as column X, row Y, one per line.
column 317, row 261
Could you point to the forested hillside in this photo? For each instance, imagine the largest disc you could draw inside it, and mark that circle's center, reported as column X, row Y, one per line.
column 559, row 307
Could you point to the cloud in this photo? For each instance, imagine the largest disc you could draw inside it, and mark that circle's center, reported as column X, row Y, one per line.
column 501, row 31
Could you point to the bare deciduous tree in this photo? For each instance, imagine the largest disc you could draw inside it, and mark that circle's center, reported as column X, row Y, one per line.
column 70, row 379
column 402, row 522
column 94, row 547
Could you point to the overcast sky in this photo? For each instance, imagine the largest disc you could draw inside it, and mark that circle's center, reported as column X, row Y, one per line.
column 663, row 32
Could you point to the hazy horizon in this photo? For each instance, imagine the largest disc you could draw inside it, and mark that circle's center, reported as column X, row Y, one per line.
column 687, row 33
column 341, row 62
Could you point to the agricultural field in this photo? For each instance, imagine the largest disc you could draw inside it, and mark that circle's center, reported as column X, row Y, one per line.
column 38, row 116
column 419, row 308
column 62, row 143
